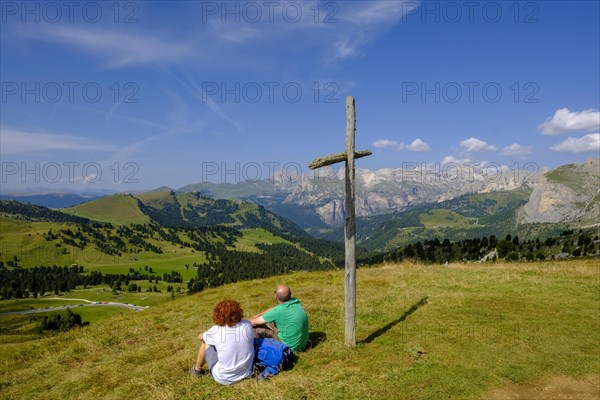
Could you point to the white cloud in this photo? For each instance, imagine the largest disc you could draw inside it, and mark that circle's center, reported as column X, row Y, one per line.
column 91, row 178
column 515, row 149
column 417, row 146
column 587, row 144
column 345, row 48
column 119, row 48
column 359, row 22
column 196, row 90
column 379, row 12
column 452, row 159
column 18, row 142
column 337, row 30
column 475, row 145
column 111, row 115
column 235, row 33
column 383, row 143
column 567, row 121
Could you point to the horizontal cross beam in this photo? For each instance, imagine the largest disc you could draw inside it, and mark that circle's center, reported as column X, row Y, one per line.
column 336, row 158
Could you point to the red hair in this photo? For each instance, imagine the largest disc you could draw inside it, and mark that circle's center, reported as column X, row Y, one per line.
column 227, row 312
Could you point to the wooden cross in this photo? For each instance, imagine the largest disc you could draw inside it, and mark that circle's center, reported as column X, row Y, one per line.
column 350, row 228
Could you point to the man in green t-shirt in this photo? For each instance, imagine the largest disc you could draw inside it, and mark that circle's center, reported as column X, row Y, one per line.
column 286, row 322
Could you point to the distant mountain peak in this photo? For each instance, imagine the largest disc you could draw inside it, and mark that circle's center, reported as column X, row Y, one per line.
column 160, row 190
column 321, row 193
column 566, row 194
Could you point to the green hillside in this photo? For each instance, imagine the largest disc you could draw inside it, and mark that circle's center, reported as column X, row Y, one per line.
column 188, row 209
column 469, row 216
column 255, row 243
column 157, row 199
column 116, row 209
column 116, row 249
column 424, row 332
column 47, row 243
column 32, row 212
column 440, row 218
column 575, row 177
column 25, row 240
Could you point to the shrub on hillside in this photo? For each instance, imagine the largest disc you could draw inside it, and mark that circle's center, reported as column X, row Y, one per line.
column 60, row 321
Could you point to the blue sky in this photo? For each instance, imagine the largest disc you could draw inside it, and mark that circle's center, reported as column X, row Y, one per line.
column 135, row 95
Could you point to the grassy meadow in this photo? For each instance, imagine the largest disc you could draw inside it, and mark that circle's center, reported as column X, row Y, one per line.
column 445, row 218
column 466, row 331
column 26, row 241
column 115, row 209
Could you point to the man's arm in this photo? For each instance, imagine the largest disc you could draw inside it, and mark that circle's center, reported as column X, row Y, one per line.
column 258, row 318
column 264, row 312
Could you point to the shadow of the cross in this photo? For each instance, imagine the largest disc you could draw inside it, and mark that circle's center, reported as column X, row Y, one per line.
column 389, row 326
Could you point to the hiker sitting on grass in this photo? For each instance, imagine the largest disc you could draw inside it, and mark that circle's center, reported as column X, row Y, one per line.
column 228, row 346
column 286, row 322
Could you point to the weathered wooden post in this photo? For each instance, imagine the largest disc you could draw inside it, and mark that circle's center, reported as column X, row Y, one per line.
column 350, row 227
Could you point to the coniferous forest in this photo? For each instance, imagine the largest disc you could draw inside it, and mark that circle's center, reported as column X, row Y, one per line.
column 223, row 261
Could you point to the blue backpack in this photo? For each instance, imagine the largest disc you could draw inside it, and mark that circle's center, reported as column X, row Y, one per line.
column 271, row 356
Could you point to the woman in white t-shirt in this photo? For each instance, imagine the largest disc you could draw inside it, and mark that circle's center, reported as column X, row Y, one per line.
column 228, row 346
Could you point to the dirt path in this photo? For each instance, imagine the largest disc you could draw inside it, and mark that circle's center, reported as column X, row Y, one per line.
column 557, row 387
column 90, row 304
column 69, row 299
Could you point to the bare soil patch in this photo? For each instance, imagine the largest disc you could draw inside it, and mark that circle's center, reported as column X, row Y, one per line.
column 557, row 387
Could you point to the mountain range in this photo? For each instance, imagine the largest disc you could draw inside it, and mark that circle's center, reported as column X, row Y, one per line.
column 51, row 199
column 315, row 201
column 394, row 206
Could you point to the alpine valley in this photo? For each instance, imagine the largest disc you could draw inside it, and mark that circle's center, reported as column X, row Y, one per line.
column 394, row 206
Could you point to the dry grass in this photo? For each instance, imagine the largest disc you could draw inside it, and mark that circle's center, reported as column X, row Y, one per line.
column 482, row 325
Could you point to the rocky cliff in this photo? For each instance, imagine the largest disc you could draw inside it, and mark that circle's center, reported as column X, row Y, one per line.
column 566, row 194
column 380, row 191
